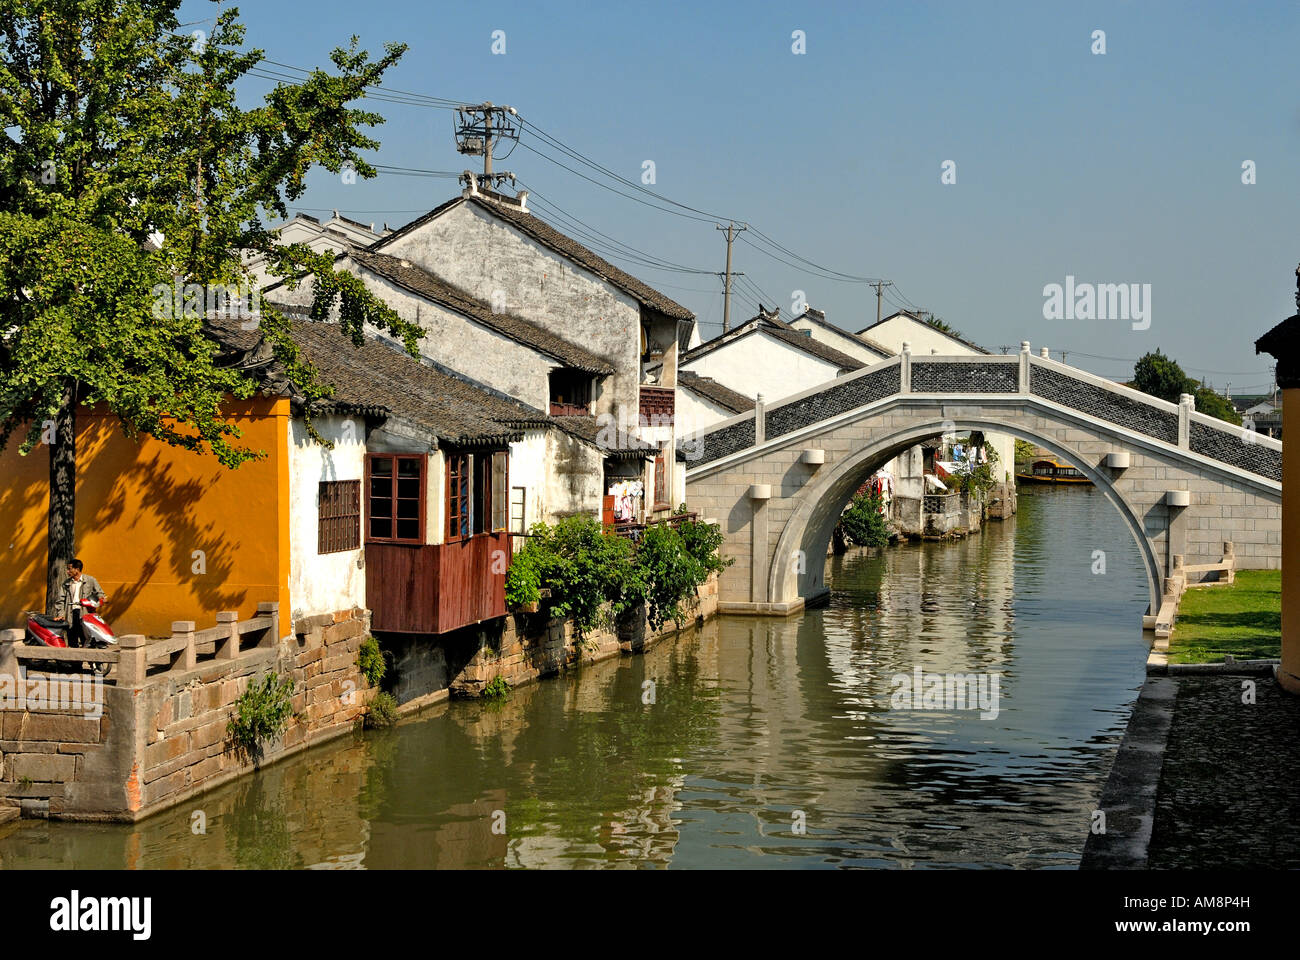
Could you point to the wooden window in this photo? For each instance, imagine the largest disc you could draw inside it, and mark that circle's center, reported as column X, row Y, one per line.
column 481, row 509
column 477, row 493
column 518, row 518
column 662, row 493
column 458, row 501
column 570, row 393
column 395, row 498
column 500, row 486
column 338, row 524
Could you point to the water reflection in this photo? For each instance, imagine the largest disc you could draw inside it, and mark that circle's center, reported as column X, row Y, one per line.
column 754, row 721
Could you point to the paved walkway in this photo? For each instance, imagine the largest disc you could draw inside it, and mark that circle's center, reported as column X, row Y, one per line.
column 1229, row 792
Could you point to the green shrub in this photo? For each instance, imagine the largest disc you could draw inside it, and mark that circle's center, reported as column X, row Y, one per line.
column 371, row 661
column 703, row 542
column 669, row 574
column 261, row 712
column 863, row 524
column 498, row 688
column 587, row 569
column 382, row 711
column 524, row 578
column 594, row 575
column 979, row 480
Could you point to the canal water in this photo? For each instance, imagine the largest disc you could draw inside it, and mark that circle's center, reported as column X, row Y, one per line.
column 769, row 743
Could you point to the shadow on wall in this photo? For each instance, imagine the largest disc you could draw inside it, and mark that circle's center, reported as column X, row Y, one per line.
column 170, row 503
column 139, row 517
column 24, row 556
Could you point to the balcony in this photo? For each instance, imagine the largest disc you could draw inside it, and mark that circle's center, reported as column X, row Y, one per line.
column 433, row 589
column 657, row 405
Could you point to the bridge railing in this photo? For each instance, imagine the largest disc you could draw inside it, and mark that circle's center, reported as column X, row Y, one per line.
column 1176, row 424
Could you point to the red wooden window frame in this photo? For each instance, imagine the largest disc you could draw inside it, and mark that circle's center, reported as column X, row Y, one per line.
column 392, row 515
column 338, row 521
column 477, row 494
column 459, row 496
column 661, row 481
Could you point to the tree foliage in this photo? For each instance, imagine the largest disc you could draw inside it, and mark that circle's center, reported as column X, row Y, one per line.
column 1158, row 375
column 127, row 166
column 1161, row 377
column 593, row 575
column 1215, row 404
column 864, row 523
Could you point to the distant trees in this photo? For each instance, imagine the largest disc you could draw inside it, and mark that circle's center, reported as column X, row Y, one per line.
column 1162, row 377
column 942, row 326
column 1156, row 374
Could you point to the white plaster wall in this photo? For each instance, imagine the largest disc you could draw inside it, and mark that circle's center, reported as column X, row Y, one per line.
column 574, row 477
column 758, row 363
column 483, row 254
column 924, row 338
column 334, row 581
column 695, row 412
column 456, row 341
column 528, row 470
column 844, row 342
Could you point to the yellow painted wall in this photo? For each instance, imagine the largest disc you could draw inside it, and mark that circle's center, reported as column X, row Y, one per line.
column 1289, row 674
column 143, row 509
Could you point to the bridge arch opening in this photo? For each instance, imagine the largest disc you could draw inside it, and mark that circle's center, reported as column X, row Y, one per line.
column 808, row 531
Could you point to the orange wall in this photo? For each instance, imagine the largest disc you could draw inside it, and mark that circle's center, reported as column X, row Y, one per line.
column 1289, row 674
column 143, row 509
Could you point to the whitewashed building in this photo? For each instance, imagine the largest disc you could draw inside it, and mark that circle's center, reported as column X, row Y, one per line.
column 335, row 235
column 493, row 248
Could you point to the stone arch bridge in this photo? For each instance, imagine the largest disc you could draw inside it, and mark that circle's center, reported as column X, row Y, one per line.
column 778, row 478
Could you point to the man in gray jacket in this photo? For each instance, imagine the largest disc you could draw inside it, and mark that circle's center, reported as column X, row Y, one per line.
column 79, row 586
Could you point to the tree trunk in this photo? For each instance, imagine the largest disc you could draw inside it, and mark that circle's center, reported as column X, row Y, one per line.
column 63, row 495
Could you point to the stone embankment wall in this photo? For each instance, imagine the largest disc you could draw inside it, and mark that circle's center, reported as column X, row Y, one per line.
column 521, row 648
column 155, row 733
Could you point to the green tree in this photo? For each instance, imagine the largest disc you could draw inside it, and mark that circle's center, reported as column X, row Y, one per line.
column 943, row 326
column 864, row 523
column 1161, row 377
column 1216, row 405
column 1156, row 374
column 127, row 167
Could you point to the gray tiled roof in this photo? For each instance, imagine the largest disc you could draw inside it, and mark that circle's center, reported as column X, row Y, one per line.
column 819, row 318
column 783, row 332
column 548, row 236
column 710, row 389
column 379, row 375
column 590, row 429
column 378, row 379
column 432, row 287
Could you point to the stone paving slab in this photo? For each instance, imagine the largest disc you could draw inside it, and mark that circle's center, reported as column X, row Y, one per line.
column 1229, row 795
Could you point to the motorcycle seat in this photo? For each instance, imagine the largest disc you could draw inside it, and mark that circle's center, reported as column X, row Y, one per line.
column 49, row 623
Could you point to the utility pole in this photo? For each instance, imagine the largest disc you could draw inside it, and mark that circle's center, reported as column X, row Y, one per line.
column 731, row 230
column 880, row 285
column 477, row 129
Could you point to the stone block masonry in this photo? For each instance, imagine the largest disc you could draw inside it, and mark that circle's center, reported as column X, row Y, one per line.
column 520, row 648
column 1179, row 497
column 156, row 734
column 159, row 735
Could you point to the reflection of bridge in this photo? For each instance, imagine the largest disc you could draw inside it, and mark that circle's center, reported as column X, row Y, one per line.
column 778, row 477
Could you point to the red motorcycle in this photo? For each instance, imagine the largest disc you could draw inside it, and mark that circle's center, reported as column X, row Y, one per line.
column 87, row 629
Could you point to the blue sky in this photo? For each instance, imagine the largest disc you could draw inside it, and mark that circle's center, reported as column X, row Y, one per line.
column 1121, row 168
